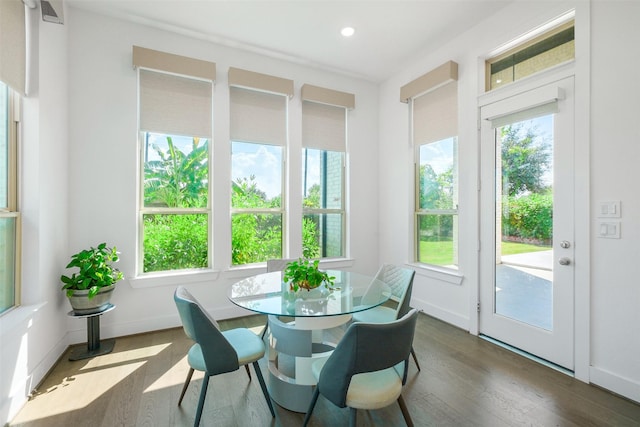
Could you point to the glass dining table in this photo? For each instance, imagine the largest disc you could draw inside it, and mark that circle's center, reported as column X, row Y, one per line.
column 298, row 322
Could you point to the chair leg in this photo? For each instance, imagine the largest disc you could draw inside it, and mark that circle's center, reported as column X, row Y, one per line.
column 186, row 384
column 405, row 412
column 264, row 331
column 415, row 358
column 353, row 417
column 248, row 371
column 263, row 386
column 203, row 394
column 312, row 405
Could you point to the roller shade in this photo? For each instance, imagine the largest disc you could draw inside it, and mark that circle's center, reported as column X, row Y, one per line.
column 13, row 44
column 323, row 126
column 175, row 105
column 258, row 116
column 173, row 64
column 261, row 82
column 524, row 106
column 435, row 114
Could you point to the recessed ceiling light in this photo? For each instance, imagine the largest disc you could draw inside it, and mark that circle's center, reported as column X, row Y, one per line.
column 347, row 31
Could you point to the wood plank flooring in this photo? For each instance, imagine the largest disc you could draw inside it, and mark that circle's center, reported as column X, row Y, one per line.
column 465, row 381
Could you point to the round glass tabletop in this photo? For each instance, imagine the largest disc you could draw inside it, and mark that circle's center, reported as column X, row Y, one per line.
column 268, row 294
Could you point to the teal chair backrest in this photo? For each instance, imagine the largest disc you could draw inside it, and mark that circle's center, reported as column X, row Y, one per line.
column 366, row 347
column 219, row 356
column 400, row 281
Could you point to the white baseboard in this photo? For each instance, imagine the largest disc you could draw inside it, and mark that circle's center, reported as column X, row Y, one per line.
column 454, row 319
column 79, row 334
column 12, row 404
column 615, row 383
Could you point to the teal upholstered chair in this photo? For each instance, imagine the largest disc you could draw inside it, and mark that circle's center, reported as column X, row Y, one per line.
column 368, row 367
column 400, row 280
column 216, row 352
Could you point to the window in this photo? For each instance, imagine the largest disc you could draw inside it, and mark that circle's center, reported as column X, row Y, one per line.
column 175, row 108
column 539, row 53
column 437, row 210
column 9, row 215
column 324, row 113
column 258, row 112
column 256, row 202
column 323, row 203
column 434, row 99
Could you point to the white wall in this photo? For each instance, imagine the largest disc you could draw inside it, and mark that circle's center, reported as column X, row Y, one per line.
column 607, row 296
column 615, row 145
column 34, row 335
column 102, row 189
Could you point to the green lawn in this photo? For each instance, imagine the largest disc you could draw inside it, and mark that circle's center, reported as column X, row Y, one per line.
column 513, row 248
column 441, row 253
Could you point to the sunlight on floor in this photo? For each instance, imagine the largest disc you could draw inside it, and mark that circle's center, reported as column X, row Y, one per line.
column 78, row 390
column 174, row 376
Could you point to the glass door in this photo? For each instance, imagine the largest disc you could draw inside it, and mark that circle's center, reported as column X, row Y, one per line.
column 527, row 235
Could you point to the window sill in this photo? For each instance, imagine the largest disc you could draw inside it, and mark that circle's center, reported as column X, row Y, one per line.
column 13, row 318
column 186, row 277
column 438, row 273
column 173, row 278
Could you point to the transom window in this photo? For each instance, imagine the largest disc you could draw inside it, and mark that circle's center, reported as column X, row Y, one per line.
column 551, row 48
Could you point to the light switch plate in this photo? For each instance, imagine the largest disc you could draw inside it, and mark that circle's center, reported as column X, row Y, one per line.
column 608, row 229
column 609, row 209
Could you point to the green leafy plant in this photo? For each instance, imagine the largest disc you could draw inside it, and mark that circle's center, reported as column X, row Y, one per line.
column 95, row 270
column 304, row 274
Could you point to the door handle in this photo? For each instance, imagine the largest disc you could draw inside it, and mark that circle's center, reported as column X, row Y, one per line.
column 564, row 261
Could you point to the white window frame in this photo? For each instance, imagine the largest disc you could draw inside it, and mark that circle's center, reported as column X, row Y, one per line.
column 11, row 210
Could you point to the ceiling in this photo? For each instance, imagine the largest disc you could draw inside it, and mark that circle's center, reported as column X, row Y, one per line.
column 389, row 33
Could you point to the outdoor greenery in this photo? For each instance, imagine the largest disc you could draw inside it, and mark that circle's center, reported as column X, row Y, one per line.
column 175, row 241
column 180, row 240
column 530, row 218
column 525, row 159
column 528, row 205
column 177, row 180
column 436, row 192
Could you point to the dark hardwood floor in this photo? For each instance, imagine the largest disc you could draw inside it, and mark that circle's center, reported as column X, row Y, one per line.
column 465, row 381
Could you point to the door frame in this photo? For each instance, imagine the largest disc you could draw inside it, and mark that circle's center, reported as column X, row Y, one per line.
column 582, row 227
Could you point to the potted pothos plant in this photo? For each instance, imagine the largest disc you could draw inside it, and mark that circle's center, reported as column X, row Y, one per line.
column 89, row 289
column 305, row 274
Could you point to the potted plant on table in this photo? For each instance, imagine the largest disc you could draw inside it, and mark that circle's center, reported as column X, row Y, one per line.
column 305, row 274
column 89, row 289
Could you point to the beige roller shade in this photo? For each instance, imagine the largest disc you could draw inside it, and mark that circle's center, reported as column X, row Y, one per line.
column 174, row 64
column 262, row 82
column 175, row 105
column 435, row 114
column 12, row 44
column 323, row 126
column 258, row 116
column 328, row 96
column 445, row 73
